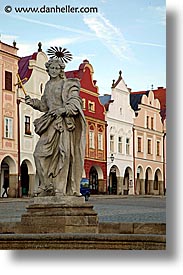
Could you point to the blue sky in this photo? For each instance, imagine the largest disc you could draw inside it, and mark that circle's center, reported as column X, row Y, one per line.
column 127, row 35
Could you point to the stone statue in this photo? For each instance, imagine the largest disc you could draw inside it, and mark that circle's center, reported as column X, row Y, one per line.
column 59, row 153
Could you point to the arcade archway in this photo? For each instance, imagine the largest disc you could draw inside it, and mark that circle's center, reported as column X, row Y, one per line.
column 96, row 180
column 7, row 172
column 148, row 179
column 113, row 180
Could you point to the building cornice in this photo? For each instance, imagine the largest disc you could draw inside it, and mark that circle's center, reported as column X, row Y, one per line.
column 88, row 118
column 147, row 130
column 9, row 54
column 109, row 119
column 149, row 160
column 89, row 92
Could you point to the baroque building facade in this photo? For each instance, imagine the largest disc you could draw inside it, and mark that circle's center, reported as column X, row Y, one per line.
column 95, row 166
column 32, row 69
column 119, row 117
column 149, row 144
column 8, row 123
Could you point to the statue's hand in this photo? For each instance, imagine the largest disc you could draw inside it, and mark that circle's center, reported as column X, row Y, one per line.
column 28, row 100
column 57, row 112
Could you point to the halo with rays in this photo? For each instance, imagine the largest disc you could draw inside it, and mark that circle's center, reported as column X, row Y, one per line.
column 59, row 53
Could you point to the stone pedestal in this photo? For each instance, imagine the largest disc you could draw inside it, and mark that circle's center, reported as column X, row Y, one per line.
column 59, row 214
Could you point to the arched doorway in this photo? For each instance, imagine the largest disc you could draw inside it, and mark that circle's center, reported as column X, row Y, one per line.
column 156, row 187
column 4, row 178
column 93, row 180
column 8, row 176
column 24, row 179
column 158, row 183
column 113, row 180
column 148, row 180
column 127, row 182
column 139, row 181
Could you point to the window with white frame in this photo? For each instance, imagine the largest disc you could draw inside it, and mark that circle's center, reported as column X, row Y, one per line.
column 91, row 139
column 158, row 148
column 27, row 125
column 8, row 127
column 111, row 143
column 120, row 145
column 91, row 106
column 100, row 141
column 127, row 146
column 84, row 103
column 149, row 146
column 139, row 144
column 8, row 81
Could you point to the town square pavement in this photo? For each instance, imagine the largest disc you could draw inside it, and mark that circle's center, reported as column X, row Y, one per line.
column 110, row 208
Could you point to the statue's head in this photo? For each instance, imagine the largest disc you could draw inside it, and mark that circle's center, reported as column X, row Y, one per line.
column 55, row 67
column 56, row 64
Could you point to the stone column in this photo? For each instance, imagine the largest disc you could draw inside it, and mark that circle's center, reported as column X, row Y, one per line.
column 101, row 187
column 119, row 185
column 31, row 184
column 123, row 187
column 138, row 186
column 142, row 186
column 13, row 186
column 151, row 187
column 161, row 187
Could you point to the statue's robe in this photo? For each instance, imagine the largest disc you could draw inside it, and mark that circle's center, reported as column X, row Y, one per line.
column 59, row 153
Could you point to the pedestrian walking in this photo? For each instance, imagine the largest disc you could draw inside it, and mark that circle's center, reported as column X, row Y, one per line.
column 5, row 186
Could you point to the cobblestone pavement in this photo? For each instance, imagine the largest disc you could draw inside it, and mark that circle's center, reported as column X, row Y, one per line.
column 131, row 209
column 109, row 208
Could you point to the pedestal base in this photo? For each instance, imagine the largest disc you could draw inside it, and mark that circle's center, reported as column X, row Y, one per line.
column 59, row 214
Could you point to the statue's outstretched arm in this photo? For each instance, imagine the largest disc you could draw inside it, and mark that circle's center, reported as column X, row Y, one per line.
column 36, row 103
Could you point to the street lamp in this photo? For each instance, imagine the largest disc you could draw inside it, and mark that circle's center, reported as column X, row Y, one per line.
column 112, row 157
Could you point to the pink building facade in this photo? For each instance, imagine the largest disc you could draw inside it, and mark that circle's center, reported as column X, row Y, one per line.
column 8, row 124
column 148, row 136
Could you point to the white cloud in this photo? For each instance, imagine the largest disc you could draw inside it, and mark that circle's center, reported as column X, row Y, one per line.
column 26, row 49
column 7, row 38
column 55, row 26
column 109, row 35
column 161, row 11
column 147, row 44
column 159, row 14
column 82, row 57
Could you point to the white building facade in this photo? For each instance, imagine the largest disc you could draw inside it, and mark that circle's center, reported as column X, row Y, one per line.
column 119, row 117
column 33, row 69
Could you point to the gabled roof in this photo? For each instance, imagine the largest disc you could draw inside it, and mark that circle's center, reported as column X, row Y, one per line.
column 116, row 82
column 23, row 66
column 160, row 94
column 77, row 73
column 135, row 99
column 85, row 75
